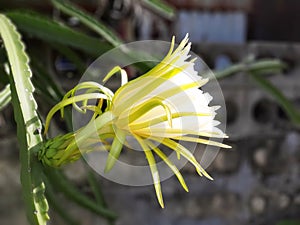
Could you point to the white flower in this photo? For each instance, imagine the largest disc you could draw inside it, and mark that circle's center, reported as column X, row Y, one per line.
column 164, row 106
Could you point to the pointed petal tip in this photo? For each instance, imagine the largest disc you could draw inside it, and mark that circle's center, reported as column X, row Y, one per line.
column 186, row 189
column 208, row 176
column 109, row 164
column 199, row 172
column 221, row 145
column 203, row 81
column 173, row 38
column 107, row 169
column 203, row 172
column 178, row 155
column 216, row 107
column 226, row 146
column 161, row 203
column 185, row 39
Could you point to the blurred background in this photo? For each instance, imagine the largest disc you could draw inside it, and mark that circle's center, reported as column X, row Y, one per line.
column 257, row 182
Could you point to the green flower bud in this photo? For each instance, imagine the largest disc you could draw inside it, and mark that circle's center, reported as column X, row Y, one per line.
column 56, row 148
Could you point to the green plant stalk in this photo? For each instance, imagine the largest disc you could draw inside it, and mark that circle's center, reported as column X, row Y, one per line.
column 71, row 192
column 28, row 124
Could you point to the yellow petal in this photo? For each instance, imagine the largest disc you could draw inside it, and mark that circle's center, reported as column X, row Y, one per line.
column 124, row 77
column 201, row 141
column 153, row 169
column 170, row 132
column 115, row 150
column 170, row 164
column 185, row 153
column 139, row 88
column 69, row 101
column 150, row 120
column 147, row 106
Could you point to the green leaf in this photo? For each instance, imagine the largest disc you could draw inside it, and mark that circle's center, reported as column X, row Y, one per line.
column 55, row 203
column 72, row 193
column 257, row 69
column 96, row 188
column 28, row 123
column 263, row 66
column 88, row 20
column 5, row 97
column 160, row 7
column 44, row 83
column 285, row 103
column 48, row 88
column 95, row 25
column 49, row 30
column 41, row 27
column 72, row 56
